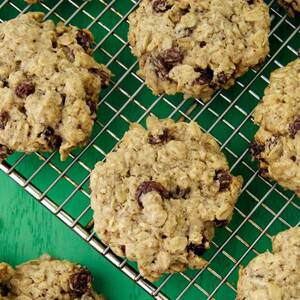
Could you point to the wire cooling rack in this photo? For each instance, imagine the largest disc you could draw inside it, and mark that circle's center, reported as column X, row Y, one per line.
column 263, row 209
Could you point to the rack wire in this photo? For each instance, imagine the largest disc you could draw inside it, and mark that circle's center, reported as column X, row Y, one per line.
column 263, row 209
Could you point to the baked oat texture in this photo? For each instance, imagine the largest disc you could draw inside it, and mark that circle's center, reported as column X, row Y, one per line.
column 49, row 86
column 158, row 198
column 197, row 47
column 274, row 275
column 277, row 142
column 292, row 6
column 46, row 279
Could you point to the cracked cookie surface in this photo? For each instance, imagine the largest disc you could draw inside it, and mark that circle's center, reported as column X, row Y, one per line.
column 158, row 198
column 277, row 142
column 46, row 278
column 197, row 47
column 273, row 275
column 49, row 86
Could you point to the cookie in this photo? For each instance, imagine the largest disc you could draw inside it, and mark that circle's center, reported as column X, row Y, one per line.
column 49, row 86
column 292, row 6
column 197, row 47
column 273, row 275
column 158, row 198
column 277, row 142
column 46, row 278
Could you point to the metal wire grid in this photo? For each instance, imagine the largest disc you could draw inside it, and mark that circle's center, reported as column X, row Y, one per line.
column 80, row 221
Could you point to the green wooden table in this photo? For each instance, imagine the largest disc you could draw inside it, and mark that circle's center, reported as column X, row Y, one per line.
column 28, row 230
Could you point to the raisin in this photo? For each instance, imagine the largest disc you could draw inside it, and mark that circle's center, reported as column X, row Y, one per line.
column 205, row 76
column 56, row 141
column 104, row 76
column 123, row 248
column 54, row 44
column 224, row 179
column 255, row 148
column 202, row 44
column 220, row 223
column 25, row 89
column 150, row 186
column 4, row 290
column 263, row 171
column 212, row 85
column 5, row 83
column 222, row 78
column 53, row 140
column 166, row 60
column 161, row 138
column 159, row 67
column 4, row 117
column 80, row 282
column 83, row 39
column 4, row 152
column 293, row 158
column 22, row 109
column 160, row 6
column 181, row 192
column 92, row 106
column 197, row 249
column 250, row 2
column 294, row 127
column 49, row 132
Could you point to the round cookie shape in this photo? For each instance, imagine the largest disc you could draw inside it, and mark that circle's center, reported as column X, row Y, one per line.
column 197, row 47
column 49, row 86
column 292, row 6
column 277, row 142
column 273, row 275
column 158, row 198
column 46, row 278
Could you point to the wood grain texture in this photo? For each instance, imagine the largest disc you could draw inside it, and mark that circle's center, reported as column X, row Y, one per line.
column 28, row 230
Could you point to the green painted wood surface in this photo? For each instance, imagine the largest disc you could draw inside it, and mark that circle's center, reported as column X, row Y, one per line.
column 28, row 230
